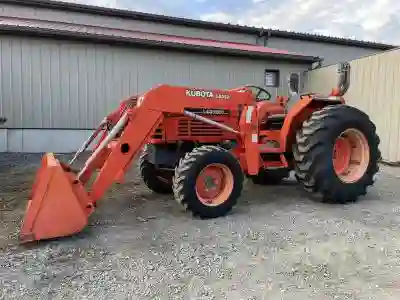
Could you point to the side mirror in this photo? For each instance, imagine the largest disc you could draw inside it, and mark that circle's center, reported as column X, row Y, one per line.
column 294, row 84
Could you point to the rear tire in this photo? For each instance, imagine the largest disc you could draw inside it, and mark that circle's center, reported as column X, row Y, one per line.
column 315, row 167
column 155, row 180
column 189, row 190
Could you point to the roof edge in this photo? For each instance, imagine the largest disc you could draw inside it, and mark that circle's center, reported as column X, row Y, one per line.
column 121, row 13
column 101, row 38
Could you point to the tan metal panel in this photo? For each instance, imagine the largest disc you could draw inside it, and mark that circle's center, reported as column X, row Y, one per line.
column 374, row 90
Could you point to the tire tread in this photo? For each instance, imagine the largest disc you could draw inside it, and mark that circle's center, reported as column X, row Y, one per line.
column 309, row 152
column 182, row 172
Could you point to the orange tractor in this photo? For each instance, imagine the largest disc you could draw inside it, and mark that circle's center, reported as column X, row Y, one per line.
column 199, row 144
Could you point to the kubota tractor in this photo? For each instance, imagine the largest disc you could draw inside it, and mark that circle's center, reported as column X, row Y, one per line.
column 199, row 144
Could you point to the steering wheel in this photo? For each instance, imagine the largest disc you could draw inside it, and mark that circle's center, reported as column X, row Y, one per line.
column 259, row 93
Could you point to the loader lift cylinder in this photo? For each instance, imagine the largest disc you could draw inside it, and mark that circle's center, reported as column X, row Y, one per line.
column 87, row 143
column 121, row 123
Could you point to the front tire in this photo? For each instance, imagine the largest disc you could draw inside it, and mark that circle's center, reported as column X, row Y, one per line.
column 190, row 182
column 349, row 134
column 156, row 180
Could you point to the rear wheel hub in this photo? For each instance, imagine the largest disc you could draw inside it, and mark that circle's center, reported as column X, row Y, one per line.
column 351, row 155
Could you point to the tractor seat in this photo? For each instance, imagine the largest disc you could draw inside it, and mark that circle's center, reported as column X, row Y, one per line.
column 269, row 110
column 273, row 120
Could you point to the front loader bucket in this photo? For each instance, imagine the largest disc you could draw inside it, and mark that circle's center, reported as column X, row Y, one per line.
column 58, row 205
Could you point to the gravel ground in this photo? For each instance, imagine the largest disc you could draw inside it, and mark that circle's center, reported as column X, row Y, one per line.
column 276, row 244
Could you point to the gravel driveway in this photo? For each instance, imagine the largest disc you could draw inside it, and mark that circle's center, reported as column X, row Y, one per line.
column 276, row 244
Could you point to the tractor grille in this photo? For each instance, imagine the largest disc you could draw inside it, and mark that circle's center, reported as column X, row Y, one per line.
column 197, row 128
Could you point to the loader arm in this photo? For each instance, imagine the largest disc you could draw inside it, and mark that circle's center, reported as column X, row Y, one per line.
column 140, row 123
column 139, row 128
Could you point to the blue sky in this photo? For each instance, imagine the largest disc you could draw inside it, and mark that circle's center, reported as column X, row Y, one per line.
column 373, row 20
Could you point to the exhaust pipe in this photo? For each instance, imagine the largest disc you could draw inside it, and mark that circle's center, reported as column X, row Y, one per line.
column 343, row 72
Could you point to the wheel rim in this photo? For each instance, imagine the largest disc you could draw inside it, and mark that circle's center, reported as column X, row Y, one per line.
column 351, row 155
column 214, row 184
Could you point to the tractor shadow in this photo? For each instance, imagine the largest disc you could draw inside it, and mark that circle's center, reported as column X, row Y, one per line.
column 289, row 194
column 133, row 204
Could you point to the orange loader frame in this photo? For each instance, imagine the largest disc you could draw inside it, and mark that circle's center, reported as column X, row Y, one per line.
column 62, row 200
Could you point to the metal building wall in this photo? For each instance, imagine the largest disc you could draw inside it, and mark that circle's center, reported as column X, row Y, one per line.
column 373, row 89
column 60, row 85
column 331, row 53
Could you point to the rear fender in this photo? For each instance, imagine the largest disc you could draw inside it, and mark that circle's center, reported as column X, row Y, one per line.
column 300, row 112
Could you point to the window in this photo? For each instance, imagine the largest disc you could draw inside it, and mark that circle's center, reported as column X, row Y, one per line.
column 272, row 78
column 294, row 83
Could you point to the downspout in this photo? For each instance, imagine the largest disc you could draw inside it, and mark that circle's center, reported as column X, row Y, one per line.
column 265, row 34
column 266, row 39
column 260, row 35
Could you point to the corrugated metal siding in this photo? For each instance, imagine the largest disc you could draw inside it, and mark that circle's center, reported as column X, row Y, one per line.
column 56, row 84
column 7, row 10
column 373, row 89
column 331, row 53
